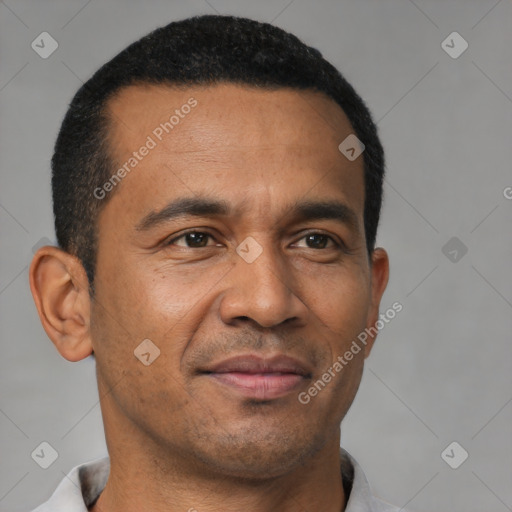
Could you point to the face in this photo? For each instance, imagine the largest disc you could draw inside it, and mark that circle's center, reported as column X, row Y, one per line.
column 235, row 243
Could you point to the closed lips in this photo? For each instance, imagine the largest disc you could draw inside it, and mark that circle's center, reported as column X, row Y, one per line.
column 258, row 378
column 253, row 364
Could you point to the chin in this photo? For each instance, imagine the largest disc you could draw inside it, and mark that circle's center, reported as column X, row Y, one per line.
column 257, row 455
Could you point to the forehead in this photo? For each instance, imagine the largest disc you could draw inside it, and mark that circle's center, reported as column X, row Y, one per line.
column 228, row 138
column 226, row 116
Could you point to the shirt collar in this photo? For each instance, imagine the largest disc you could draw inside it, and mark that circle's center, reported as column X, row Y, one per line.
column 83, row 485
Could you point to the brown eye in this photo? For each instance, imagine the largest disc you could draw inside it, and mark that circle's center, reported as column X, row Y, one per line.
column 318, row 241
column 192, row 239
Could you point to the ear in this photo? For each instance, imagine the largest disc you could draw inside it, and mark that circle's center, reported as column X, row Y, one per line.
column 60, row 289
column 379, row 279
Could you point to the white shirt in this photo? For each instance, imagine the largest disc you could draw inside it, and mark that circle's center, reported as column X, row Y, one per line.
column 83, row 485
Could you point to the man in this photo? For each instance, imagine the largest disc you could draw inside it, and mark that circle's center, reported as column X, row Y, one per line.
column 217, row 188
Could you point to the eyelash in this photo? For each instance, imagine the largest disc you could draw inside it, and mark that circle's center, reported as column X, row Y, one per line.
column 183, row 235
column 173, row 240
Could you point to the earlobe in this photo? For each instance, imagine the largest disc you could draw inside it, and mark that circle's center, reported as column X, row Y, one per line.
column 379, row 280
column 60, row 289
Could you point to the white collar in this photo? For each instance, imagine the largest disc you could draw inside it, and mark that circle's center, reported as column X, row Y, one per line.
column 84, row 483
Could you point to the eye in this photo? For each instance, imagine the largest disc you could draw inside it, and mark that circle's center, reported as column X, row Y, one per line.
column 319, row 241
column 191, row 239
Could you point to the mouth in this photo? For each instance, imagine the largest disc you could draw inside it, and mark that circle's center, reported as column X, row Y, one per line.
column 256, row 377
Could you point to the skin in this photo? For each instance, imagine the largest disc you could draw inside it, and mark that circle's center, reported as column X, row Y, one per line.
column 178, row 440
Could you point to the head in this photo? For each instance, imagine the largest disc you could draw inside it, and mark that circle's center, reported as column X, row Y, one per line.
column 205, row 50
column 201, row 202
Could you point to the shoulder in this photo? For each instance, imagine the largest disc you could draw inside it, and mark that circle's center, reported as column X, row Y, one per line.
column 81, row 486
column 361, row 498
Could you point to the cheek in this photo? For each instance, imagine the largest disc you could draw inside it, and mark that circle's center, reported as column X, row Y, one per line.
column 163, row 303
column 126, row 383
column 169, row 299
column 148, row 301
column 339, row 299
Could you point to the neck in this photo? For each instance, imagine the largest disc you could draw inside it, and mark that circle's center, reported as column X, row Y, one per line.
column 147, row 474
column 146, row 480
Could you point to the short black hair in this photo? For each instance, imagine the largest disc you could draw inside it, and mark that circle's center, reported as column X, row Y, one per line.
column 202, row 50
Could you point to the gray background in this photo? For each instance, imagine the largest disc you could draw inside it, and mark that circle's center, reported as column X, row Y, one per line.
column 441, row 370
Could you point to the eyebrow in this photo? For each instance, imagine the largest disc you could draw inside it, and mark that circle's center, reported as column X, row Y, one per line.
column 187, row 206
column 202, row 207
column 326, row 210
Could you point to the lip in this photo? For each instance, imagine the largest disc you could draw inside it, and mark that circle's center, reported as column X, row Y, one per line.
column 261, row 378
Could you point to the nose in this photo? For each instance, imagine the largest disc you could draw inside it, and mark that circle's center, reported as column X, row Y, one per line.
column 266, row 292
